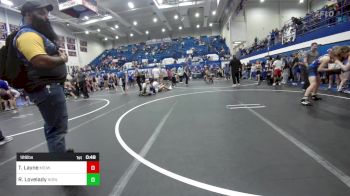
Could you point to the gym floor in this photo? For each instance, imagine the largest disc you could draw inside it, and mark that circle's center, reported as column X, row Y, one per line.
column 197, row 140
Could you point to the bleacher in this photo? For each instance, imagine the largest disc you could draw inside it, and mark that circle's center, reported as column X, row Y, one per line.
column 329, row 20
column 152, row 53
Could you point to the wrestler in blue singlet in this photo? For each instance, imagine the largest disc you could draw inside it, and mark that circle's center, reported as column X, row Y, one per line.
column 312, row 68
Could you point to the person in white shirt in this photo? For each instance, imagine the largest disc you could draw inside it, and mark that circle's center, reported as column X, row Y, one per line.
column 164, row 74
column 180, row 72
column 174, row 76
column 146, row 88
column 252, row 71
column 156, row 73
column 155, row 86
column 277, row 70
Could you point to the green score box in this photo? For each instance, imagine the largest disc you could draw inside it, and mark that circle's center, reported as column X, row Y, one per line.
column 93, row 180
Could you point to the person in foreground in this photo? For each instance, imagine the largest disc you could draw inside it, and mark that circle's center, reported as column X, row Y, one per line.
column 36, row 44
column 335, row 55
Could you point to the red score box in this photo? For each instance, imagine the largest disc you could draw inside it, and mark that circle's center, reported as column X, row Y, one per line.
column 93, row 167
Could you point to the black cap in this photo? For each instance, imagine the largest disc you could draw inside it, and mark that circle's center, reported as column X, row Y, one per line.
column 30, row 6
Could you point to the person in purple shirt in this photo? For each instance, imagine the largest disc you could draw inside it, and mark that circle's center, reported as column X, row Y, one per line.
column 4, row 85
column 7, row 96
column 4, row 93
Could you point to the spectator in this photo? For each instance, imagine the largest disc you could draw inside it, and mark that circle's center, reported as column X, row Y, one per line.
column 155, row 86
column 146, row 88
column 4, row 139
column 105, row 81
column 69, row 89
column 258, row 71
column 163, row 87
column 6, row 96
column 248, row 69
column 138, row 78
column 174, row 76
column 227, row 71
column 124, row 80
column 156, row 73
column 81, row 78
column 285, row 73
column 296, row 63
column 277, row 70
column 180, row 72
column 187, row 74
column 95, row 83
column 113, row 82
column 13, row 102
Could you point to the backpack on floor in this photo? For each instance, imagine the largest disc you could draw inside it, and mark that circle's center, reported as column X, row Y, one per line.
column 12, row 69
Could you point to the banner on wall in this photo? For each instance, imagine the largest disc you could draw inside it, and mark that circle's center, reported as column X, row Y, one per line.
column 61, row 41
column 14, row 28
column 83, row 43
column 3, row 31
column 83, row 46
column 70, row 40
column 72, row 53
column 71, row 47
column 83, row 49
column 158, row 41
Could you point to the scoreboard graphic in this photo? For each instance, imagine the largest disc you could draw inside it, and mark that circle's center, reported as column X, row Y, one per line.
column 78, row 8
column 68, row 169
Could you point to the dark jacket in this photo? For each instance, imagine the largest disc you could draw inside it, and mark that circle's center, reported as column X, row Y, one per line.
column 81, row 77
column 235, row 65
column 37, row 77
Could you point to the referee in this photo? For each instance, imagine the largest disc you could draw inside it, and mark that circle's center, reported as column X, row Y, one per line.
column 236, row 66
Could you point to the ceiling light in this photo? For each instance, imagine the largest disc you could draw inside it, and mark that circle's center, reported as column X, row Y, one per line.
column 98, row 30
column 7, row 2
column 198, row 26
column 301, row 1
column 196, row 15
column 210, row 24
column 213, row 13
column 131, row 5
column 147, row 32
column 116, row 26
column 106, row 38
column 163, row 30
column 86, row 17
column 87, row 32
column 262, row 1
column 135, row 23
column 155, row 19
column 176, row 16
column 131, row 35
column 68, row 24
column 180, row 27
column 107, row 17
column 116, row 37
column 112, row 28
